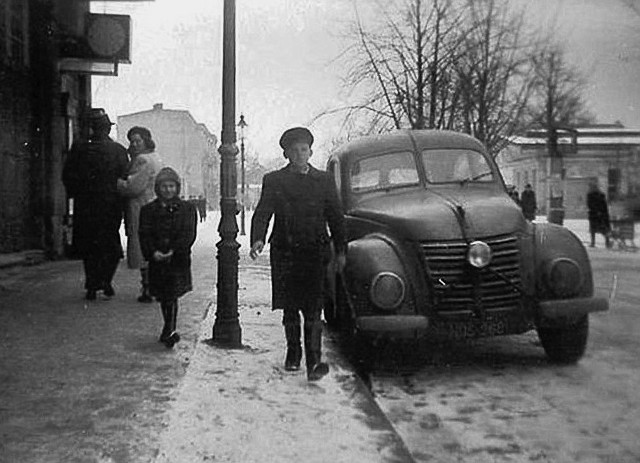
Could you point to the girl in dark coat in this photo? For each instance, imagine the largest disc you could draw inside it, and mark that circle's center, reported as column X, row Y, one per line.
column 167, row 232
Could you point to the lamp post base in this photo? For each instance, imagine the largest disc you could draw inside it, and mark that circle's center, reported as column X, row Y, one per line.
column 227, row 333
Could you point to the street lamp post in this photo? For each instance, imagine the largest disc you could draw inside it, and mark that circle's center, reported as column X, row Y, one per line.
column 226, row 328
column 242, row 124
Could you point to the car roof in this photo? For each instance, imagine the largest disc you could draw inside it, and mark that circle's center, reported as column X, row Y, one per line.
column 405, row 140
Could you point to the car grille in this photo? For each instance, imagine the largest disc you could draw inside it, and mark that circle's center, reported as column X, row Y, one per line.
column 459, row 288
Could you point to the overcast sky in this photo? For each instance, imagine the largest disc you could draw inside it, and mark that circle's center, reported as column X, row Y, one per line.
column 286, row 70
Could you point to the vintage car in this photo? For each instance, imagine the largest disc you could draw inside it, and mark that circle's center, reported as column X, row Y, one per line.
column 438, row 248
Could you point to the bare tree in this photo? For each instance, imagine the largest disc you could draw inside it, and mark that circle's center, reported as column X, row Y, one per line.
column 399, row 65
column 494, row 72
column 558, row 94
column 441, row 64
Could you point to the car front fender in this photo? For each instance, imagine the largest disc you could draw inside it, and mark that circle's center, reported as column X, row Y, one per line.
column 368, row 257
column 557, row 248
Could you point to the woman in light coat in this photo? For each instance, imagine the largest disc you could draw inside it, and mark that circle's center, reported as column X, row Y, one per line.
column 138, row 188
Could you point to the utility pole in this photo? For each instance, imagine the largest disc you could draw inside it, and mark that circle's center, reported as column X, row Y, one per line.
column 556, row 210
column 226, row 328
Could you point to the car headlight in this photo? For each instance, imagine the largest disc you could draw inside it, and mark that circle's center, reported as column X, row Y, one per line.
column 479, row 254
column 387, row 290
column 564, row 277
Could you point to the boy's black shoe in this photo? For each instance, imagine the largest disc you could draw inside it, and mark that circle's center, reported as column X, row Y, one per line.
column 91, row 295
column 292, row 360
column 318, row 371
column 171, row 340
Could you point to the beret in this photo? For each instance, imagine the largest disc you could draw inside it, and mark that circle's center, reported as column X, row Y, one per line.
column 296, row 134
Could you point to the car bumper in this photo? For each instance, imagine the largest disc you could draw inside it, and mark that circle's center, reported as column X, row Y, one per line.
column 391, row 323
column 573, row 308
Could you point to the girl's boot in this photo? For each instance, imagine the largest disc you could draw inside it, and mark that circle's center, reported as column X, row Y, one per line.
column 145, row 295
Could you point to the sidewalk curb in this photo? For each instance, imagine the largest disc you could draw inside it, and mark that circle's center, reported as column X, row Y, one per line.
column 15, row 259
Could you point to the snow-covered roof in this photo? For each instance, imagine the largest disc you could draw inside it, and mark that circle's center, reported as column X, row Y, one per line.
column 630, row 140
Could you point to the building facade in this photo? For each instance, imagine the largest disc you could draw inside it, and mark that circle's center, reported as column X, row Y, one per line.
column 183, row 144
column 40, row 114
column 609, row 154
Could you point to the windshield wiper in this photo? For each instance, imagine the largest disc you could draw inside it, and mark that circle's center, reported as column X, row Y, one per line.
column 473, row 179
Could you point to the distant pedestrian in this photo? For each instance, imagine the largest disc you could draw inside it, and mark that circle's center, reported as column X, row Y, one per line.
column 193, row 200
column 598, row 214
column 90, row 177
column 167, row 232
column 304, row 203
column 138, row 188
column 528, row 202
column 202, row 208
column 513, row 193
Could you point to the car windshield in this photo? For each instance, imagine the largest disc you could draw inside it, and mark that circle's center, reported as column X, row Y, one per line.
column 382, row 172
column 455, row 165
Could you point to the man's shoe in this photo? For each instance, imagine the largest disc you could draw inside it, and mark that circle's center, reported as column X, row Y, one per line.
column 319, row 371
column 109, row 291
column 91, row 295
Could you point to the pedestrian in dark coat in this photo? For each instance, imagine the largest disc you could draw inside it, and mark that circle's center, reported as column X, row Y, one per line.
column 167, row 231
column 598, row 214
column 303, row 201
column 90, row 176
column 528, row 202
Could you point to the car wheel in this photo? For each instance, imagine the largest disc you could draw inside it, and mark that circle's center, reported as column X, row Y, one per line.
column 565, row 344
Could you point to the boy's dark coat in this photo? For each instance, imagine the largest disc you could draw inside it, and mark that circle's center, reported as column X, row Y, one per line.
column 303, row 206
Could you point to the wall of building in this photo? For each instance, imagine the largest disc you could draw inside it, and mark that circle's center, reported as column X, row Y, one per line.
column 37, row 105
column 601, row 162
column 183, row 145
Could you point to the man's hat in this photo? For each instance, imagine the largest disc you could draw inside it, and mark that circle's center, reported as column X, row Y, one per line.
column 296, row 134
column 98, row 117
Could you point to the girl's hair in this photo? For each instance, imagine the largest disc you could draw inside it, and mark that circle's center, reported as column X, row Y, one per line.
column 145, row 134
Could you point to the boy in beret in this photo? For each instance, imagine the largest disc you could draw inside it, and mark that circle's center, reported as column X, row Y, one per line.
column 304, row 203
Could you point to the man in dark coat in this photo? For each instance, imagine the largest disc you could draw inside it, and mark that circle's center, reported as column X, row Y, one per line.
column 303, row 201
column 90, row 177
column 598, row 214
column 528, row 202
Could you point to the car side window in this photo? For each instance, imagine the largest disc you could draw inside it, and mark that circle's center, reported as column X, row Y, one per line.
column 444, row 166
column 383, row 171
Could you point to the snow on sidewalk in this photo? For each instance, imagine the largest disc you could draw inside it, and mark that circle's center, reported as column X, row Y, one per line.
column 240, row 405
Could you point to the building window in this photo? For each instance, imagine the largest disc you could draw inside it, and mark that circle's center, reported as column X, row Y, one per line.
column 534, row 179
column 14, row 32
column 613, row 178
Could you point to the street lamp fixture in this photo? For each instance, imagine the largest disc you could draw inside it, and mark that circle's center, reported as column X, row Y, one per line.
column 242, row 124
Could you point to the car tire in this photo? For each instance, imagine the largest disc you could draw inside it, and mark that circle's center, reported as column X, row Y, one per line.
column 565, row 344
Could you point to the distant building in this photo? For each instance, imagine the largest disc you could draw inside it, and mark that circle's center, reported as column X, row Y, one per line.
column 607, row 153
column 183, row 144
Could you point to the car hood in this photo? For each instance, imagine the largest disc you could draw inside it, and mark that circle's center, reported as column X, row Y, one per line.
column 444, row 214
